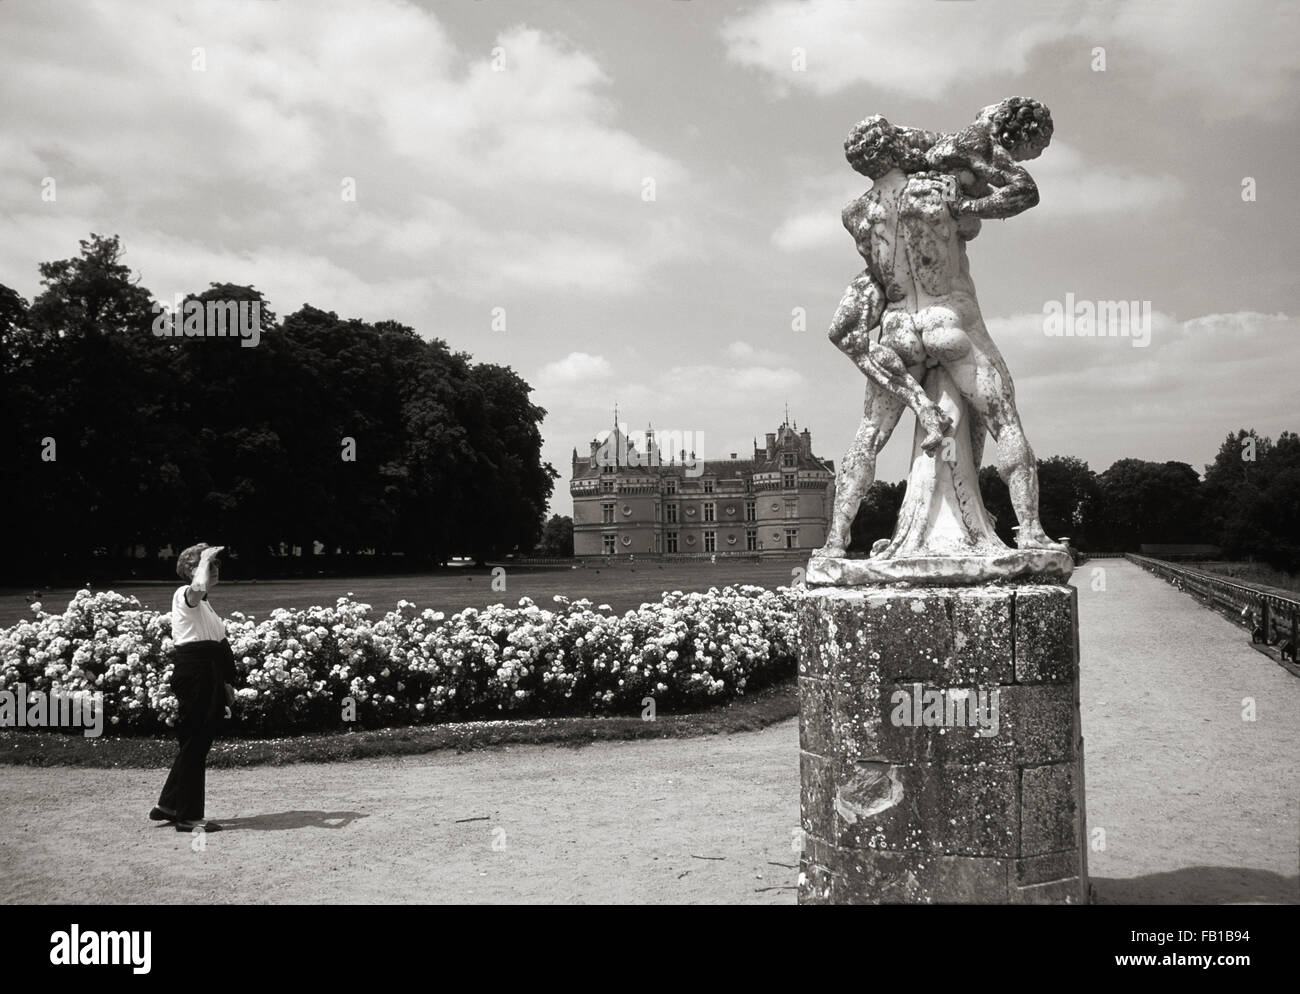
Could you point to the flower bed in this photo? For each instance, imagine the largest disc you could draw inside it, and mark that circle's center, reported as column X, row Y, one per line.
column 303, row 670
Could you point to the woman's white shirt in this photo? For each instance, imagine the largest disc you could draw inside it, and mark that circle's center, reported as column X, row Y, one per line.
column 194, row 624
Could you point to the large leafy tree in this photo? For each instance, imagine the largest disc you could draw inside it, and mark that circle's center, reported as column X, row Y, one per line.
column 1252, row 498
column 1153, row 502
column 509, row 482
column 557, row 538
column 1068, row 495
column 106, row 396
column 353, row 435
column 876, row 515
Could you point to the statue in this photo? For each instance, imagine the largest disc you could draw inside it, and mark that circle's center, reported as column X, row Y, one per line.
column 933, row 354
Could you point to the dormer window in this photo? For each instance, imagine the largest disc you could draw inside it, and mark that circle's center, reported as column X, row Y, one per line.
column 787, row 459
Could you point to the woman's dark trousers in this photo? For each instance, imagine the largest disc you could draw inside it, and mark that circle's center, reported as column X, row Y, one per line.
column 198, row 668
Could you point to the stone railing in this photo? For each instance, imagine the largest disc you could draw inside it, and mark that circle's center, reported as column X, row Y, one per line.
column 1275, row 615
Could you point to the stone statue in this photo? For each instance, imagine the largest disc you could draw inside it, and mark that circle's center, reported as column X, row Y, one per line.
column 933, row 354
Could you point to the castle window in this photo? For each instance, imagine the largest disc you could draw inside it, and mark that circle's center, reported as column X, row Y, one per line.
column 608, row 541
column 788, row 480
column 606, row 486
column 708, row 486
column 792, row 538
column 710, row 541
column 751, row 540
column 670, row 513
column 670, row 485
column 672, row 541
column 607, row 514
column 787, row 459
column 751, row 510
column 708, row 511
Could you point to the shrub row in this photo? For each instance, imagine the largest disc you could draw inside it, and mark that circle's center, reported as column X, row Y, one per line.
column 322, row 667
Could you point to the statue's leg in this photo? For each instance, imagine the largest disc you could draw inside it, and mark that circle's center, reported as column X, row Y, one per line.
column 882, row 362
column 880, row 413
column 983, row 379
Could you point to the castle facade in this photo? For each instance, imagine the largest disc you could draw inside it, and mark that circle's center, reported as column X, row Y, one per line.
column 631, row 499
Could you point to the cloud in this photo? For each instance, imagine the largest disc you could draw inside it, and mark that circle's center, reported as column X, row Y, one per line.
column 232, row 124
column 743, row 352
column 1071, row 187
column 890, row 45
column 817, row 198
column 1197, row 48
column 1194, row 382
column 573, row 369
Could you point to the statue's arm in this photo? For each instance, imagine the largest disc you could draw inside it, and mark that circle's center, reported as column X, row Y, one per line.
column 853, row 213
column 920, row 142
column 1012, row 189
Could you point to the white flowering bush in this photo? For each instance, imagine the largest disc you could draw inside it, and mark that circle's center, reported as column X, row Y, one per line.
column 300, row 670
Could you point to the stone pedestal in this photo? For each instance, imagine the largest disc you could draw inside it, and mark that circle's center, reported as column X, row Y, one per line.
column 940, row 751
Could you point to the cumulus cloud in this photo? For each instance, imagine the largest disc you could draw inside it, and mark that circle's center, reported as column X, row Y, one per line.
column 576, row 367
column 234, row 123
column 1070, row 184
column 930, row 51
column 1195, row 381
column 889, row 45
column 744, row 352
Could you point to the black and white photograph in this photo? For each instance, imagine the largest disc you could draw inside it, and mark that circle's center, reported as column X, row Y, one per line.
column 653, row 452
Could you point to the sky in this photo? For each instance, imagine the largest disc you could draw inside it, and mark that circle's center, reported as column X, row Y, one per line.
column 639, row 202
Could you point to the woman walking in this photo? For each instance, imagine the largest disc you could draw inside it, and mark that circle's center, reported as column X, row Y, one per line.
column 203, row 668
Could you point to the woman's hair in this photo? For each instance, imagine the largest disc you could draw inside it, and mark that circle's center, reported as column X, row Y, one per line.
column 188, row 561
column 1021, row 125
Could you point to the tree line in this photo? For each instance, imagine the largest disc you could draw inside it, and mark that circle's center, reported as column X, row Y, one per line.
column 1247, row 502
column 333, row 433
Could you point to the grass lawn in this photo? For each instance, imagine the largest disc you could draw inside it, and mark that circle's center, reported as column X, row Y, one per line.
column 622, row 586
column 1255, row 574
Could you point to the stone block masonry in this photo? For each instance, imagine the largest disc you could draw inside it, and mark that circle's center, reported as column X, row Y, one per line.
column 940, row 748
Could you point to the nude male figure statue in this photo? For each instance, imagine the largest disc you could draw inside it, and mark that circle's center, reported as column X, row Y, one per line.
column 912, row 230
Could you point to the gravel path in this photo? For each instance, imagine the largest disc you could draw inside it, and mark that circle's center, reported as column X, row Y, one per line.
column 1197, row 805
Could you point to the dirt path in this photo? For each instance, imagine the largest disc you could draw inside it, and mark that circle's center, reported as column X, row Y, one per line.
column 1196, row 804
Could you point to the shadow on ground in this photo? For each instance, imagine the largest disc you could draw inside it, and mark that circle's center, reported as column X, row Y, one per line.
column 289, row 820
column 1200, row 885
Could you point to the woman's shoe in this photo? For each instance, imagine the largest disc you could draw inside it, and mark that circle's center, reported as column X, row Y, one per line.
column 158, row 814
column 200, row 825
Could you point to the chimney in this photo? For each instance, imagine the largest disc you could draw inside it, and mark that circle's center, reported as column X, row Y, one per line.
column 805, row 442
column 771, row 444
column 734, row 454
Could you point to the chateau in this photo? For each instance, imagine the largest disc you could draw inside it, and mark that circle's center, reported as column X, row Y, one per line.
column 629, row 499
